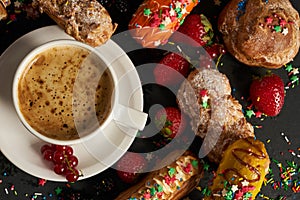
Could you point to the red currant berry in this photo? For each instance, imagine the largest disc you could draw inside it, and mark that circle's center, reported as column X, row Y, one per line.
column 68, row 170
column 69, row 150
column 53, row 146
column 61, row 148
column 48, row 155
column 59, row 169
column 206, row 62
column 72, row 176
column 72, row 161
column 215, row 50
column 45, row 147
column 58, row 157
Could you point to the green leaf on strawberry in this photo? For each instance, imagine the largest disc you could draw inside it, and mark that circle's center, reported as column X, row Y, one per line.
column 170, row 122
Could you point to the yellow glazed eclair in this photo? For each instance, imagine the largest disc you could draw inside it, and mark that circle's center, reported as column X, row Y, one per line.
column 241, row 172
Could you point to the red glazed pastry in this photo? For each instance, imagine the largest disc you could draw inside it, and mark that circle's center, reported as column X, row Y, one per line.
column 155, row 20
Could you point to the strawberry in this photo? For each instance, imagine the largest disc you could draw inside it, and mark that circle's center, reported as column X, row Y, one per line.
column 197, row 30
column 171, row 69
column 130, row 166
column 267, row 94
column 170, row 121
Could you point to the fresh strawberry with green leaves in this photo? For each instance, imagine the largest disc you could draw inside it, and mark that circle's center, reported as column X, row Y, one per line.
column 170, row 121
column 171, row 69
column 267, row 94
column 196, row 30
column 130, row 167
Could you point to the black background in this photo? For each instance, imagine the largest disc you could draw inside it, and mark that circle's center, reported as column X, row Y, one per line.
column 15, row 184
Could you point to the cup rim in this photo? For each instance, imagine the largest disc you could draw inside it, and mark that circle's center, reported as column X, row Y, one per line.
column 22, row 66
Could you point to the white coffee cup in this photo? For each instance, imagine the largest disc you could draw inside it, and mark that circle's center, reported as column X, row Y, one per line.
column 124, row 116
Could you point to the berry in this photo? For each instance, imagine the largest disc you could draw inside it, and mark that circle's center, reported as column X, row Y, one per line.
column 212, row 52
column 170, row 121
column 267, row 94
column 63, row 159
column 48, row 154
column 45, row 147
column 59, row 169
column 72, row 161
column 58, row 157
column 68, row 150
column 206, row 61
column 171, row 69
column 65, row 149
column 72, row 176
column 130, row 166
column 215, row 50
column 197, row 31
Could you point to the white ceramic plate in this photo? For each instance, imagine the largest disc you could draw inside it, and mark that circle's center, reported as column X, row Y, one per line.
column 96, row 155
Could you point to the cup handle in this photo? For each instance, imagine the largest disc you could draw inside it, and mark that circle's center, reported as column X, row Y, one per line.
column 130, row 117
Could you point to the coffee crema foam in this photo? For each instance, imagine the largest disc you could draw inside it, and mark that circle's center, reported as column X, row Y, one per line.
column 64, row 94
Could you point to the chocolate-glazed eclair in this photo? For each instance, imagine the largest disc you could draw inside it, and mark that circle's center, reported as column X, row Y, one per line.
column 241, row 171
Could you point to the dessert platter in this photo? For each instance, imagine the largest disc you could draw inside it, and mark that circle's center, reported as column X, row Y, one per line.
column 219, row 80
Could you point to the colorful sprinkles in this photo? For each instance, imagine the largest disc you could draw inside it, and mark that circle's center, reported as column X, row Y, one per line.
column 287, row 178
column 276, row 24
column 283, row 176
column 291, row 151
column 155, row 189
column 293, row 75
column 252, row 112
column 204, row 98
column 167, row 15
column 241, row 8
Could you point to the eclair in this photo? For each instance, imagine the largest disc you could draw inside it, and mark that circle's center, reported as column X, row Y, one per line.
column 173, row 181
column 155, row 21
column 241, row 172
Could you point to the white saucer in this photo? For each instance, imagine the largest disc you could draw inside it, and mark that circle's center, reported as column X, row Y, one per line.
column 23, row 149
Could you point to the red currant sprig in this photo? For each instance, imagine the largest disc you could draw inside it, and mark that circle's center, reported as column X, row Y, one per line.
column 63, row 159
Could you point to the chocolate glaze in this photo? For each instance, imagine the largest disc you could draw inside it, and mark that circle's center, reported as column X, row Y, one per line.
column 249, row 153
